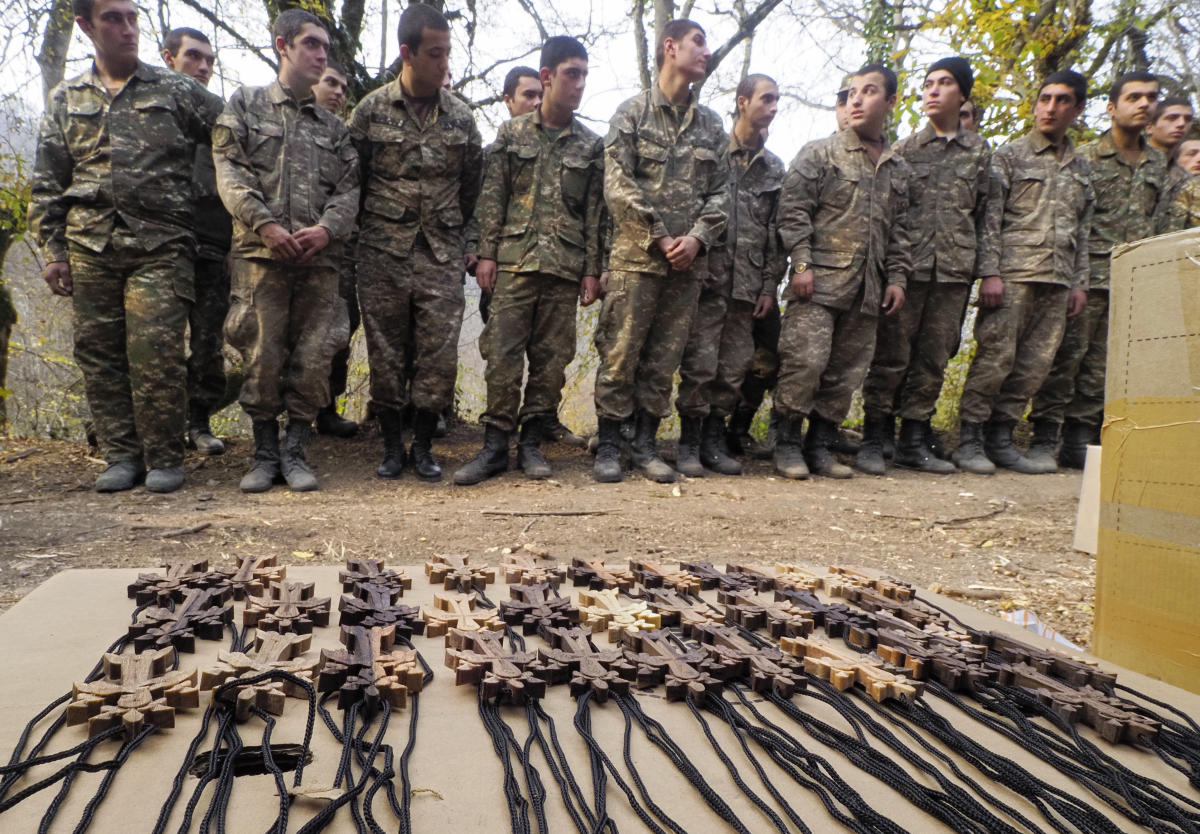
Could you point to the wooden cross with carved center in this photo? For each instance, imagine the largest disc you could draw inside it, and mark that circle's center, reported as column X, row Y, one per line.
column 680, row 612
column 684, row 673
column 1075, row 671
column 478, row 657
column 202, row 612
column 526, row 569
column 272, row 650
column 844, row 667
column 375, row 605
column 779, row 618
column 711, row 578
column 766, row 668
column 533, row 608
column 359, row 571
column 289, row 607
column 886, row 585
column 603, row 610
column 455, row 573
column 590, row 669
column 458, row 611
column 597, row 575
column 836, row 618
column 655, row 575
column 135, row 689
column 253, row 575
column 181, row 575
column 369, row 671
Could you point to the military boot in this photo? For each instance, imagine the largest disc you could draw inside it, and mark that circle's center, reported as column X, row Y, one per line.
column 818, row 448
column 870, row 452
column 737, row 433
column 1075, row 438
column 889, row 436
column 265, row 471
column 687, row 453
column 1044, row 447
column 491, row 460
column 712, row 447
column 913, row 452
column 607, row 468
column 331, row 423
column 119, row 476
column 933, row 440
column 969, row 456
column 530, row 459
column 644, row 449
column 789, row 452
column 199, row 434
column 391, row 426
column 421, row 452
column 292, row 462
column 164, row 479
column 998, row 446
column 554, row 430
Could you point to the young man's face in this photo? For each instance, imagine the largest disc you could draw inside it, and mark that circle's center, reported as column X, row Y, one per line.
column 330, row 91
column 869, row 103
column 195, row 58
column 1135, row 105
column 113, row 29
column 527, row 96
column 429, row 62
column 307, row 53
column 760, row 110
column 1189, row 155
column 690, row 54
column 966, row 117
column 565, row 83
column 1056, row 110
column 1169, row 129
column 940, row 94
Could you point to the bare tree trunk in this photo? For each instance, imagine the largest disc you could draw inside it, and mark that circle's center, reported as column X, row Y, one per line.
column 56, row 39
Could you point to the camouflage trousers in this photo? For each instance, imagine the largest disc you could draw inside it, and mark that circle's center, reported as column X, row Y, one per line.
column 823, row 356
column 130, row 314
column 718, row 355
column 912, row 349
column 763, row 374
column 642, row 332
column 1015, row 347
column 287, row 321
column 411, row 306
column 1075, row 387
column 531, row 316
column 340, row 367
column 205, row 364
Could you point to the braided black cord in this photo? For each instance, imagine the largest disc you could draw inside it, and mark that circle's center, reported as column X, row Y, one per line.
column 518, row 807
column 224, row 719
column 272, row 767
column 128, row 747
column 78, row 765
column 533, row 779
column 181, row 774
column 52, row 810
column 583, row 725
column 567, row 785
column 483, row 598
column 326, row 815
column 1195, row 728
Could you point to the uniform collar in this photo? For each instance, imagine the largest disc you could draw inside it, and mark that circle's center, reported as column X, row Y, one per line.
column 536, row 118
column 1105, row 146
column 850, row 140
column 142, row 72
column 278, row 94
column 1040, row 144
column 927, row 134
column 659, row 99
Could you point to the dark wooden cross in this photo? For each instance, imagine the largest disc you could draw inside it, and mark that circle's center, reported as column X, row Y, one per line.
column 676, row 611
column 958, row 666
column 253, row 575
column 590, row 669
column 886, row 585
column 479, row 657
column 532, row 608
column 683, row 673
column 597, row 575
column 711, row 578
column 288, row 607
column 766, row 668
column 835, row 617
column 526, row 569
column 373, row 604
column 181, row 576
column 1075, row 671
column 763, row 581
column 778, row 618
column 458, row 611
column 369, row 671
column 655, row 575
column 358, row 571
column 455, row 573
column 272, row 651
column 135, row 690
column 204, row 612
column 604, row 611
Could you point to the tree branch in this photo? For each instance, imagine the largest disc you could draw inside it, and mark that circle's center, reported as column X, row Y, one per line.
column 745, row 30
column 208, row 15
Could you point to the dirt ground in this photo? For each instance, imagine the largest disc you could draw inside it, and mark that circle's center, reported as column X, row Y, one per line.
column 1007, row 537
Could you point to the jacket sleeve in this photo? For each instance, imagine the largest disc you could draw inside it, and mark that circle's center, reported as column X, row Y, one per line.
column 774, row 258
column 471, row 181
column 627, row 202
column 340, row 214
column 1082, row 275
column 491, row 209
column 987, row 258
column 798, row 203
column 201, row 109
column 898, row 265
column 982, row 189
column 237, row 183
column 714, row 214
column 594, row 216
column 48, row 204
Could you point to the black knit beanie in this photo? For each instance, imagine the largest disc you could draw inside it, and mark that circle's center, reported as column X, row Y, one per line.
column 960, row 69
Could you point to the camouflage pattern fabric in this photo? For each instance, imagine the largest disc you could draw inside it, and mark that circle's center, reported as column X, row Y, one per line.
column 348, row 291
column 205, row 365
column 735, row 358
column 1184, row 210
column 764, row 367
column 1074, row 388
column 701, row 357
column 755, row 262
column 214, row 226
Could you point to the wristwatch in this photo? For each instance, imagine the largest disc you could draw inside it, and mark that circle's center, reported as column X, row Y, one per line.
column 800, row 267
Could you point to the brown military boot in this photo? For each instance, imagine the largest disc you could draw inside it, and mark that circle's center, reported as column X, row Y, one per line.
column 1044, row 447
column 998, row 446
column 818, row 450
column 712, row 447
column 789, row 454
column 969, row 456
column 687, row 453
column 644, row 450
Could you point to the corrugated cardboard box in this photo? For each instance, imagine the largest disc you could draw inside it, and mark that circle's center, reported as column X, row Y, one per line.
column 1148, row 568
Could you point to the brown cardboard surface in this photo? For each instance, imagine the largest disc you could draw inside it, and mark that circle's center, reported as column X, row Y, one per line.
column 1148, row 564
column 54, row 636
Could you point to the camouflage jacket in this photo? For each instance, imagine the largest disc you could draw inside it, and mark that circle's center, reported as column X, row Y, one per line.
column 1131, row 201
column 214, row 226
column 284, row 161
column 666, row 173
column 539, row 210
column 949, row 196
column 416, row 179
column 848, row 219
column 130, row 155
column 1039, row 213
column 749, row 262
column 1184, row 211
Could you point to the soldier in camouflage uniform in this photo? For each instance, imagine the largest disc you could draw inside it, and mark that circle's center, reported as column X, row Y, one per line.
column 666, row 174
column 1129, row 180
column 422, row 160
column 843, row 219
column 288, row 174
column 190, row 52
column 1033, row 252
column 111, row 209
column 1184, row 210
column 745, row 271
column 949, row 193
column 539, row 253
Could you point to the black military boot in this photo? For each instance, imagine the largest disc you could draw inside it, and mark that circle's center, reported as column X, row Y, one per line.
column 889, row 436
column 333, row 424
column 870, row 452
column 1043, row 449
column 969, row 456
column 913, row 452
column 1075, row 438
column 292, row 462
column 199, row 434
column 737, row 433
column 491, row 460
column 607, row 468
column 712, row 447
column 119, row 476
column 421, row 452
column 818, row 448
column 391, row 426
column 687, row 453
column 789, row 452
column 998, row 445
column 530, row 459
column 555, row 431
column 265, row 471
column 644, row 449
column 934, row 441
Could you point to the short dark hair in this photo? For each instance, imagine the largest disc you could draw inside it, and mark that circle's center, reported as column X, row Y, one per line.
column 290, row 22
column 514, row 78
column 331, row 64
column 174, row 39
column 890, row 84
column 559, row 48
column 1114, row 92
column 83, row 8
column 1160, row 109
column 1068, row 78
column 747, row 86
column 976, row 110
column 675, row 30
column 415, row 20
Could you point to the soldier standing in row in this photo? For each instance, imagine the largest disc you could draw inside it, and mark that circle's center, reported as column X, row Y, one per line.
column 1129, row 181
column 745, row 271
column 949, row 192
column 843, row 219
column 111, row 209
column 539, row 253
column 288, row 174
column 1033, row 253
column 422, row 158
column 666, row 176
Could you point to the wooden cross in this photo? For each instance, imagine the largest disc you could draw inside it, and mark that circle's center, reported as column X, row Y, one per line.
column 958, row 666
column 779, row 618
column 369, row 671
column 835, row 617
column 766, row 668
column 526, row 569
column 288, row 607
column 793, row 577
column 372, row 570
column 1075, row 671
column 375, row 604
column 911, row 611
column 602, row 610
column 455, row 573
column 597, row 575
column 457, row 611
column 478, row 657
column 763, row 581
column 843, row 668
column 202, row 612
column 182, row 575
column 135, row 689
column 886, row 585
column 683, row 673
column 676, row 611
column 253, row 575
column 655, row 575
column 272, row 651
column 533, row 608
column 590, row 669
column 711, row 578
